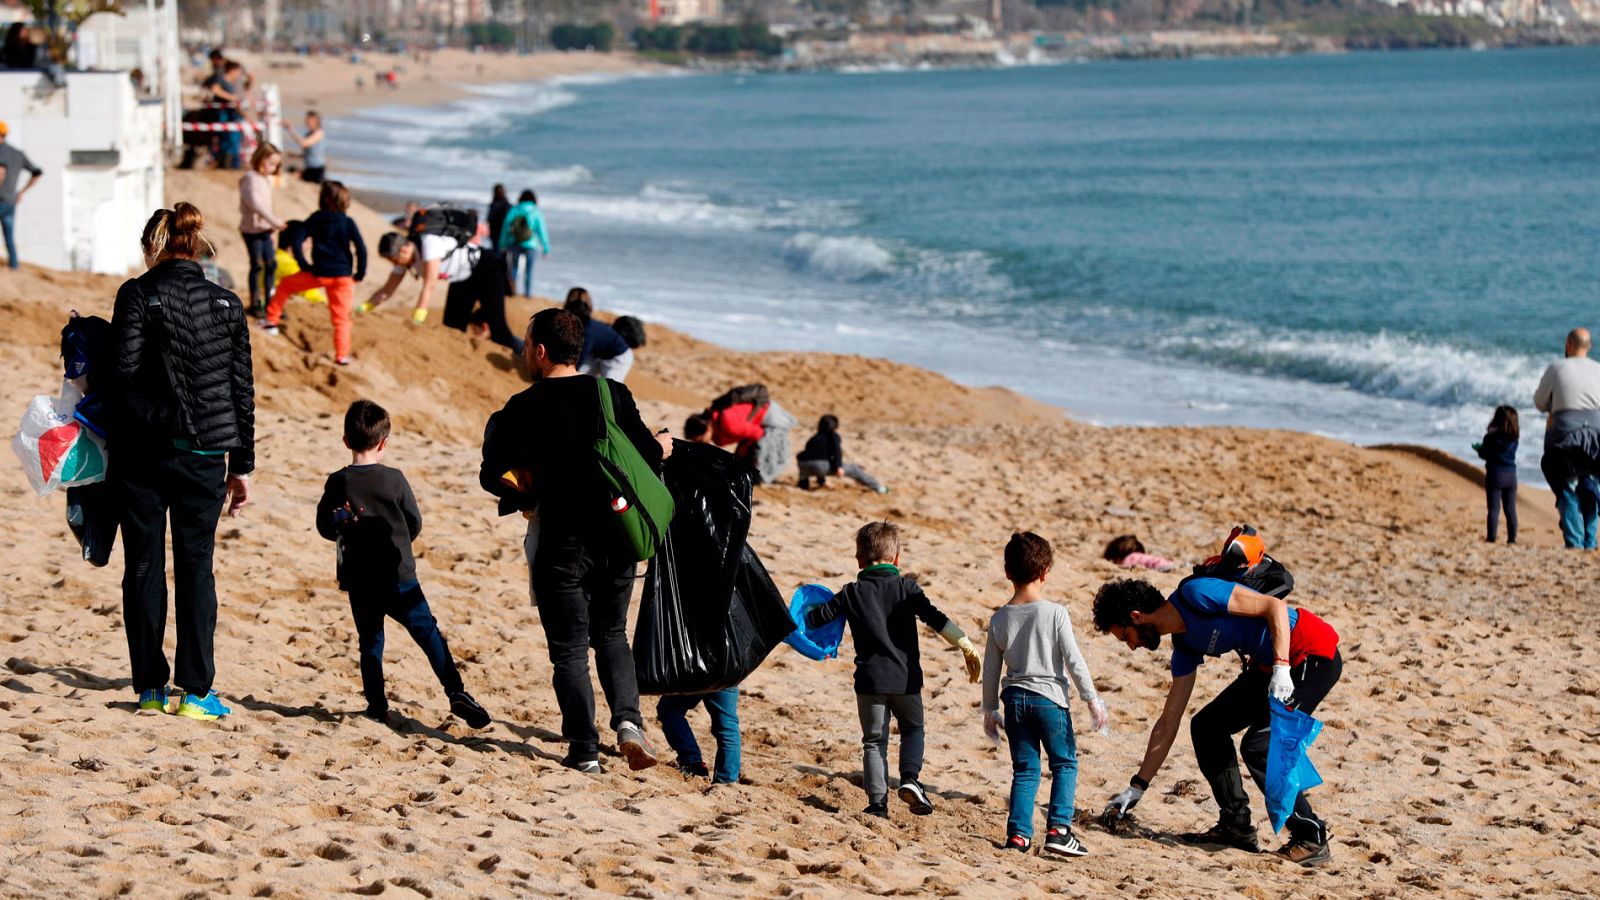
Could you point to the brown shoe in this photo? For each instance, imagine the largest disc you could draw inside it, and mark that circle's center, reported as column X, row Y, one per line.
column 1223, row 835
column 1306, row 853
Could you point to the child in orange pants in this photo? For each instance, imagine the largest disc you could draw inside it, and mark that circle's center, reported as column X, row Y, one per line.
column 338, row 261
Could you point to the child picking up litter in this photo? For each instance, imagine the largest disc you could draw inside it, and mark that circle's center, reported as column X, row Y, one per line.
column 881, row 608
column 368, row 508
column 1126, row 552
column 824, row 456
column 1034, row 638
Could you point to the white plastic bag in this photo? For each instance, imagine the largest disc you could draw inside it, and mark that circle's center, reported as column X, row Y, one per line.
column 56, row 450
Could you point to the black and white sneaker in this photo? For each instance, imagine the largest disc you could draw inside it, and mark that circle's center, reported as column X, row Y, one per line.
column 1064, row 842
column 585, row 766
column 632, row 744
column 915, row 798
column 468, row 710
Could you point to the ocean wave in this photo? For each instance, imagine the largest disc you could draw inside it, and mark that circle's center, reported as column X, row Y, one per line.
column 1383, row 365
column 849, row 258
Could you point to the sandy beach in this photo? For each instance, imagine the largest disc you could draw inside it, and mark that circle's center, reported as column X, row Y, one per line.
column 1460, row 749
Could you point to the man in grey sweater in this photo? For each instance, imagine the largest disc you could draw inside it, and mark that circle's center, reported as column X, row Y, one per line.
column 1570, row 393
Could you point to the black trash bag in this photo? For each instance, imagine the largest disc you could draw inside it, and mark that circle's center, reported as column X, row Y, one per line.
column 710, row 612
column 92, row 514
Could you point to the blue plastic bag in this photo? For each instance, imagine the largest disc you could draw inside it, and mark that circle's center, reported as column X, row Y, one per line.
column 815, row 643
column 1289, row 768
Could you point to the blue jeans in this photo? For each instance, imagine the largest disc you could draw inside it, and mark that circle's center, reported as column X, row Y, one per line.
column 410, row 608
column 1032, row 720
column 263, row 251
column 8, row 220
column 1578, row 504
column 723, row 707
column 519, row 260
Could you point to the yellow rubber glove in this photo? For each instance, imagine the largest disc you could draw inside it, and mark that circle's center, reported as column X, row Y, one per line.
column 973, row 660
column 364, row 308
column 418, row 316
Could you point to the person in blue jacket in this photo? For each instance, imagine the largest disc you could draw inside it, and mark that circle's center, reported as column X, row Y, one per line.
column 521, row 236
column 1498, row 449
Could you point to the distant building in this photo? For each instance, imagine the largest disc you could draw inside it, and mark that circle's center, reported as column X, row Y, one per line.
column 682, row 12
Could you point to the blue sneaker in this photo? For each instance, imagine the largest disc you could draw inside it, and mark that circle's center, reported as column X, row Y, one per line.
column 155, row 700
column 208, row 708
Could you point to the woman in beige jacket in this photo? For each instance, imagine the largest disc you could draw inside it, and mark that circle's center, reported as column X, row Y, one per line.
column 258, row 225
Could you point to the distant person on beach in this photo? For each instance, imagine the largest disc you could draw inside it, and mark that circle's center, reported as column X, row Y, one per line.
column 258, row 226
column 13, row 163
column 1034, row 639
column 1125, row 551
column 226, row 89
column 1570, row 393
column 184, row 446
column 748, row 419
column 523, row 237
column 338, row 263
column 1498, row 449
column 823, row 456
column 495, row 215
column 476, row 279
column 367, row 508
column 313, row 146
column 538, row 454
column 881, row 608
column 1292, row 656
column 605, row 353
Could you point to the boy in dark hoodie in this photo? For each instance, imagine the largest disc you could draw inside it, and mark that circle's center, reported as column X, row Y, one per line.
column 881, row 607
column 369, row 510
column 824, row 455
column 338, row 263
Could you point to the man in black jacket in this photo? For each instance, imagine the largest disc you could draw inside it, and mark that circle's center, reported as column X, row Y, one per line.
column 187, row 401
column 539, row 457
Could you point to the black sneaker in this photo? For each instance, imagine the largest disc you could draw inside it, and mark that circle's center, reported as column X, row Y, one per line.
column 915, row 798
column 468, row 710
column 377, row 713
column 631, row 742
column 692, row 769
column 1223, row 835
column 1064, row 842
column 1306, row 853
column 586, row 766
column 1018, row 843
column 881, row 810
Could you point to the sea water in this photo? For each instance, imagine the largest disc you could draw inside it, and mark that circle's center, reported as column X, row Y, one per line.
column 1374, row 247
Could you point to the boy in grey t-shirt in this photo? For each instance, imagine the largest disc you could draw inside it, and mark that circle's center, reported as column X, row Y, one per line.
column 1034, row 638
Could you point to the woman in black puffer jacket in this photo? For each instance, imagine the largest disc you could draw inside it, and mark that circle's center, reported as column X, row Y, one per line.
column 184, row 446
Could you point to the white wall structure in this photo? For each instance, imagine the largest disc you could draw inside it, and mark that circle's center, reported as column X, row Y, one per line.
column 100, row 148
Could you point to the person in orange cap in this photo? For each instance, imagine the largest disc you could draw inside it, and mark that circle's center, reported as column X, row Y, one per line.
column 13, row 163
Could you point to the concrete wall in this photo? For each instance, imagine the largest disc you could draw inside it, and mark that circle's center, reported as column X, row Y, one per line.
column 100, row 149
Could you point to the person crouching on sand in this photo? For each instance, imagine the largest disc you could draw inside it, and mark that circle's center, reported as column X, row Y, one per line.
column 823, row 456
column 475, row 275
column 1126, row 552
column 881, row 607
column 368, row 509
column 1214, row 617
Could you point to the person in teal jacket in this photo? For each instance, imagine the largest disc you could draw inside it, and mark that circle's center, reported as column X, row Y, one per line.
column 521, row 237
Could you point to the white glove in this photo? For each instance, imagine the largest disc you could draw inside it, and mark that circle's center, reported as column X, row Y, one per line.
column 1121, row 803
column 1099, row 716
column 992, row 725
column 1281, row 689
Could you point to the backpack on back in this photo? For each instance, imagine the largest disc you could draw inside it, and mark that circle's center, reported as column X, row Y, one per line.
column 1244, row 560
column 754, row 394
column 641, row 505
column 445, row 220
column 521, row 230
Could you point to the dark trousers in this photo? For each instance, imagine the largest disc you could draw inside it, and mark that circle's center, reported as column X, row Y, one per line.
column 190, row 489
column 1500, row 488
column 313, row 174
column 874, row 711
column 263, row 252
column 409, row 607
column 583, row 604
column 480, row 299
column 1242, row 706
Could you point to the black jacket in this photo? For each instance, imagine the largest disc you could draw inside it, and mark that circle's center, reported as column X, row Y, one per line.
column 183, row 360
column 825, row 446
column 374, row 548
column 882, row 608
column 548, row 431
column 332, row 234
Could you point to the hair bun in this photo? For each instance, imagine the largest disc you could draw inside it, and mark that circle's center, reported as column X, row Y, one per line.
column 186, row 219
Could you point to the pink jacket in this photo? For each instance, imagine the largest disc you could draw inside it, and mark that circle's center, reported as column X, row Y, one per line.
column 255, row 204
column 1146, row 561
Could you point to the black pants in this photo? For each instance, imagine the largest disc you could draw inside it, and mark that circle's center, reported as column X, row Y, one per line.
column 313, row 174
column 263, row 268
column 1500, row 488
column 480, row 299
column 191, row 489
column 409, row 607
column 583, row 604
column 1242, row 706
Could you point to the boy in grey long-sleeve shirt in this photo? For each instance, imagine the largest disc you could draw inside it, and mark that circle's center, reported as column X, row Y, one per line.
column 1034, row 637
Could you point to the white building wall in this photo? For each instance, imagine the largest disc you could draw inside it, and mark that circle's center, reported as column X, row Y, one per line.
column 100, row 149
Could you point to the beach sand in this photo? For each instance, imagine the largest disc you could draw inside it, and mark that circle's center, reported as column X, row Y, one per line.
column 1460, row 749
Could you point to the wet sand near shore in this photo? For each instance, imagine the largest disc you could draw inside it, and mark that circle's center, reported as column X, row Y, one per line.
column 1460, row 749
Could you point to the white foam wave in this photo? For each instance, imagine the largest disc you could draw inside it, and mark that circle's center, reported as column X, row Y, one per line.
column 849, row 258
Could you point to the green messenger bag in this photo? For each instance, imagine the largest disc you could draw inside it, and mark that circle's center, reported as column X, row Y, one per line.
column 641, row 506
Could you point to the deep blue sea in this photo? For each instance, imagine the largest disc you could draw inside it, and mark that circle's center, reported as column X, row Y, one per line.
column 1376, row 247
